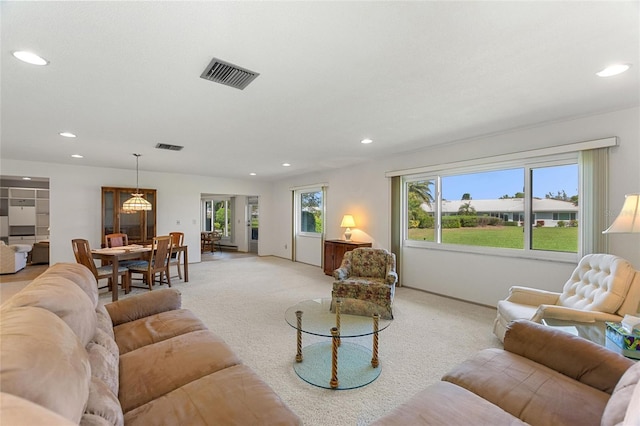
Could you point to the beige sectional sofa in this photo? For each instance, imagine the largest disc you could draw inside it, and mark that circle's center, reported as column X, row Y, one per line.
column 543, row 376
column 67, row 359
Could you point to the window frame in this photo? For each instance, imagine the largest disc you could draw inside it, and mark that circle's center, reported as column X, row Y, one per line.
column 298, row 209
column 527, row 164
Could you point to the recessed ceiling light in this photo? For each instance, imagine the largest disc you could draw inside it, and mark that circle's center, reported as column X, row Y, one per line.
column 67, row 134
column 77, row 156
column 26, row 178
column 252, row 174
column 612, row 70
column 30, row 58
column 285, row 164
column 366, row 141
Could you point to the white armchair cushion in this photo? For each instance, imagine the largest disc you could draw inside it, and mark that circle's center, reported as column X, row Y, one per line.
column 599, row 283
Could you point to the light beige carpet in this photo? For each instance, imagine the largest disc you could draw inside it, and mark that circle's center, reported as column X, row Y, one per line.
column 243, row 299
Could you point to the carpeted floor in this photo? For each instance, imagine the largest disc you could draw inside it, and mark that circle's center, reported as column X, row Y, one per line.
column 243, row 299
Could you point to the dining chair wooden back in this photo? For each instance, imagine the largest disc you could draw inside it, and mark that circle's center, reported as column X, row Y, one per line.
column 82, row 252
column 116, row 240
column 158, row 262
column 177, row 240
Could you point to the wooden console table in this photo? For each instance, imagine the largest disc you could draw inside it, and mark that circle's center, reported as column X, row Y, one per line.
column 334, row 251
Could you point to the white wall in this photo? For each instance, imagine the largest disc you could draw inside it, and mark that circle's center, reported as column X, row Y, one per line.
column 365, row 192
column 75, row 204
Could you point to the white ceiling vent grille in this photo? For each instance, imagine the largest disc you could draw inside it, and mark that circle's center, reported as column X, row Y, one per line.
column 169, row 147
column 228, row 74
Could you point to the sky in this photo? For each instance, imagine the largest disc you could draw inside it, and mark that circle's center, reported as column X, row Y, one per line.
column 492, row 185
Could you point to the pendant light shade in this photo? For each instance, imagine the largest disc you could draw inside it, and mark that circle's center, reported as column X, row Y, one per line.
column 136, row 202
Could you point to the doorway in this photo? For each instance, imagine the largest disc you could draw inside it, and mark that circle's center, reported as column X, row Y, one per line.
column 253, row 223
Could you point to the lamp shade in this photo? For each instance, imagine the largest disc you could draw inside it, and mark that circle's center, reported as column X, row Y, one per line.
column 628, row 221
column 347, row 221
column 136, row 203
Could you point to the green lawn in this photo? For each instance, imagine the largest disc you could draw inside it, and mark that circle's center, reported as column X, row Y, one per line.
column 553, row 239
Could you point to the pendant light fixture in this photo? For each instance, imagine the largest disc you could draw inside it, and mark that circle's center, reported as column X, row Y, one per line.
column 136, row 202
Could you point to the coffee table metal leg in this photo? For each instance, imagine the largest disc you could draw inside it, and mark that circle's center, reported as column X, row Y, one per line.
column 334, row 358
column 338, row 306
column 374, row 358
column 299, row 336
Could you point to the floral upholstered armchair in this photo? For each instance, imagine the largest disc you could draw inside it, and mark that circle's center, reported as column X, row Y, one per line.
column 366, row 275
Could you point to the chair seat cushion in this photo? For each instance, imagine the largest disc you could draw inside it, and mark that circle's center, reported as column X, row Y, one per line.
column 444, row 403
column 511, row 311
column 106, row 270
column 154, row 370
column 155, row 328
column 234, row 395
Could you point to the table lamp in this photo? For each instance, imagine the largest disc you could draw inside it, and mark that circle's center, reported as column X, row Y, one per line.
column 347, row 222
column 628, row 221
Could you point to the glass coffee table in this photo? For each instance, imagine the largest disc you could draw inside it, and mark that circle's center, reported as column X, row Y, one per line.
column 337, row 363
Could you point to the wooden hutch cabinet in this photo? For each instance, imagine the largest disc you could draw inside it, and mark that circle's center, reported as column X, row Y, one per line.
column 334, row 251
column 140, row 226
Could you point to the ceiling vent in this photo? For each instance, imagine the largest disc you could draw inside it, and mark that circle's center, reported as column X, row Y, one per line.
column 169, row 147
column 228, row 74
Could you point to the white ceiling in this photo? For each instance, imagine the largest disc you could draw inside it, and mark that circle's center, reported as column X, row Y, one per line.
column 125, row 76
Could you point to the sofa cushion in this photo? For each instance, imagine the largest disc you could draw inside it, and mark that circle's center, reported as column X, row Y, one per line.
column 104, row 366
column 530, row 391
column 20, row 411
column 444, row 403
column 103, row 339
column 43, row 361
column 573, row 356
column 616, row 408
column 155, row 370
column 63, row 298
column 155, row 328
column 103, row 406
column 79, row 274
column 144, row 305
column 104, row 320
column 232, row 396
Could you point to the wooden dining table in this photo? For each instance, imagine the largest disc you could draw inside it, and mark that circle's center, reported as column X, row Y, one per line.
column 114, row 255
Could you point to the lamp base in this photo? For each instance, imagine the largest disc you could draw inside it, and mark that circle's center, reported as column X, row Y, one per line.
column 347, row 234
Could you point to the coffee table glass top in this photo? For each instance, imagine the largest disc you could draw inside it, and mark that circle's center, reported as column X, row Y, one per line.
column 318, row 319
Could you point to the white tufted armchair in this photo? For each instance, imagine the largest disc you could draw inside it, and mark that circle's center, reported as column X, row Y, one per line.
column 603, row 287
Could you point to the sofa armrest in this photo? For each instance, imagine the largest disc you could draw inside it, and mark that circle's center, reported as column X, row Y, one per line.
column 571, row 314
column 532, row 296
column 573, row 356
column 341, row 274
column 144, row 305
column 392, row 278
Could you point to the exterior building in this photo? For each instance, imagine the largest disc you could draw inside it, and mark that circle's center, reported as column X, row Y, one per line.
column 547, row 212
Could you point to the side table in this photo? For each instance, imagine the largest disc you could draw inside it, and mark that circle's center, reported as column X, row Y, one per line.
column 336, row 363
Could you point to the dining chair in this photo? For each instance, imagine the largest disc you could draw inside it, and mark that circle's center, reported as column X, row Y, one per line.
column 116, row 240
column 120, row 240
column 158, row 262
column 82, row 252
column 216, row 236
column 177, row 240
column 206, row 240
